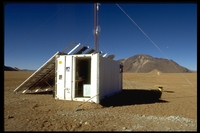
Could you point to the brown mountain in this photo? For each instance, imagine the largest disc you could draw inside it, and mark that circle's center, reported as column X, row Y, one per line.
column 8, row 68
column 143, row 63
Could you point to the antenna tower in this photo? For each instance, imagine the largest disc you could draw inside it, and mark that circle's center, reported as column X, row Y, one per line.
column 96, row 27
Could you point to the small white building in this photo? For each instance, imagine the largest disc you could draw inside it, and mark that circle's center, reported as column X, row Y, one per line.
column 78, row 76
column 86, row 77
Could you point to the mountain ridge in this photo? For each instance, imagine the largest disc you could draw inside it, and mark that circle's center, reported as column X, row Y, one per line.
column 140, row 63
column 143, row 63
column 9, row 68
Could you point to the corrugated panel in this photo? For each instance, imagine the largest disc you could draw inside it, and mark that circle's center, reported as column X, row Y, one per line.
column 109, row 77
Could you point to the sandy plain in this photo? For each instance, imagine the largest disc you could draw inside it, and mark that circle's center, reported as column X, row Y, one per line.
column 133, row 110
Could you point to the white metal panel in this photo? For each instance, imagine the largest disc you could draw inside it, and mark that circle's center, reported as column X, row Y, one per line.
column 109, row 77
column 68, row 77
column 95, row 78
column 74, row 76
column 60, row 77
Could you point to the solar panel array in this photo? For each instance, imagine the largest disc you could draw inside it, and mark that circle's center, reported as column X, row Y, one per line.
column 43, row 79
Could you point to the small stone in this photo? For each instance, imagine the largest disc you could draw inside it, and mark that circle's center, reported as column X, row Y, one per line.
column 86, row 123
column 124, row 128
column 9, row 117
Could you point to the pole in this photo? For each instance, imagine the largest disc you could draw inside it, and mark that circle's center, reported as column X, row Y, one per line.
column 96, row 28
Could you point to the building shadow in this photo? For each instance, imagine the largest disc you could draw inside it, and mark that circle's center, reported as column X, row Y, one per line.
column 125, row 97
column 131, row 97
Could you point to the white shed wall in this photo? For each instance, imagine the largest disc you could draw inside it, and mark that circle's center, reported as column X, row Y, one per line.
column 68, row 78
column 110, row 78
column 60, row 80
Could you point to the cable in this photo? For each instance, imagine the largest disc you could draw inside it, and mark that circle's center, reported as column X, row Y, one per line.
column 153, row 43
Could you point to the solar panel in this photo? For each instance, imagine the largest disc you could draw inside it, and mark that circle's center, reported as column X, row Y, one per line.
column 112, row 56
column 69, row 46
column 74, row 48
column 81, row 49
column 104, row 55
column 90, row 51
column 43, row 79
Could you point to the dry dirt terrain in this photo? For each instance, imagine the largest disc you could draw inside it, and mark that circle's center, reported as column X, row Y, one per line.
column 136, row 109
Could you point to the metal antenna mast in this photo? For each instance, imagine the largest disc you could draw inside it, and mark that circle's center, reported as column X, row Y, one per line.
column 96, row 27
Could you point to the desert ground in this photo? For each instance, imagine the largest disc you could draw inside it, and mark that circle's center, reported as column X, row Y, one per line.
column 136, row 109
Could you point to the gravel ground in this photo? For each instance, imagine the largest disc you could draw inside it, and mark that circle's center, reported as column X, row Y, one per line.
column 176, row 110
column 129, row 122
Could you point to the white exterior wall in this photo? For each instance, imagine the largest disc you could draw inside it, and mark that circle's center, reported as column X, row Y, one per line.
column 60, row 69
column 110, row 78
column 68, row 78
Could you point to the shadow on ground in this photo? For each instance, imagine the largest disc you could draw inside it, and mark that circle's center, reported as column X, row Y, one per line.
column 126, row 97
column 131, row 97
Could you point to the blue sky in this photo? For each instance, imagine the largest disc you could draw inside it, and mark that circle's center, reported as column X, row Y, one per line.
column 35, row 32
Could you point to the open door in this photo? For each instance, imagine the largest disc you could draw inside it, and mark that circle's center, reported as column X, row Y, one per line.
column 82, row 75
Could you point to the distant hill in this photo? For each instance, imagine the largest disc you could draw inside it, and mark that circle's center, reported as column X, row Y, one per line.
column 143, row 63
column 122, row 60
column 8, row 68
